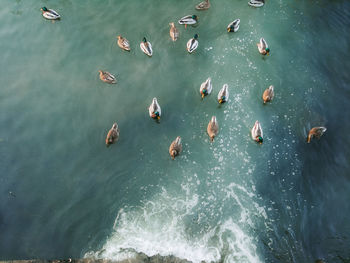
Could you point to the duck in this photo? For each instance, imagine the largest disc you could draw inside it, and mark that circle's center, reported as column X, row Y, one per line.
column 192, row 44
column 107, row 77
column 174, row 33
column 223, row 94
column 203, row 5
column 146, row 47
column 256, row 3
column 233, row 26
column 112, row 135
column 316, row 132
column 188, row 20
column 175, row 147
column 263, row 47
column 123, row 43
column 257, row 133
column 213, row 128
column 206, row 88
column 154, row 110
column 268, row 94
column 50, row 14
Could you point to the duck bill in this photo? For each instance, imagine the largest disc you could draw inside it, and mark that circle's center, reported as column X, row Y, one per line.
column 203, row 95
column 228, row 29
column 220, row 101
column 158, row 117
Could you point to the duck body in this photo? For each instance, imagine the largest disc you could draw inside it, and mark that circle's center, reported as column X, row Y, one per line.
column 223, row 94
column 316, row 132
column 257, row 133
column 175, row 147
column 192, row 44
column 123, row 43
column 113, row 135
column 263, row 47
column 268, row 94
column 146, row 47
column 50, row 14
column 213, row 128
column 206, row 88
column 203, row 5
column 174, row 33
column 256, row 3
column 107, row 77
column 154, row 110
column 233, row 26
column 188, row 20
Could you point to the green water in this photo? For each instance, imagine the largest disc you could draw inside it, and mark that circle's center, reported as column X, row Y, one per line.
column 65, row 194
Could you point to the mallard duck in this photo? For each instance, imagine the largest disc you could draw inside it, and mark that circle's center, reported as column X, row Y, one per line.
column 174, row 33
column 123, row 43
column 112, row 135
column 263, row 47
column 192, row 44
column 257, row 133
column 50, row 14
column 256, row 3
column 203, row 5
column 188, row 20
column 233, row 26
column 175, row 147
column 154, row 110
column 316, row 132
column 223, row 94
column 268, row 94
column 206, row 87
column 107, row 77
column 213, row 128
column 146, row 47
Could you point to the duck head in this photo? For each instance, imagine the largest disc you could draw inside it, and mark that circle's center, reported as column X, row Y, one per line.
column 157, row 115
column 195, row 17
column 144, row 40
column 195, row 36
column 222, row 100
column 44, row 9
column 204, row 92
column 259, row 139
column 171, row 24
column 267, row 51
column 173, row 154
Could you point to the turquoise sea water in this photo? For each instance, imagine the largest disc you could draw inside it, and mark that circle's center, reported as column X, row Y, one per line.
column 63, row 193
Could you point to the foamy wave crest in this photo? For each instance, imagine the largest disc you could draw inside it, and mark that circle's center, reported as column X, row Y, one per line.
column 167, row 226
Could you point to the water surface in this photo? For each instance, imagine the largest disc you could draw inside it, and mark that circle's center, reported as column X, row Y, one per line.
column 64, row 194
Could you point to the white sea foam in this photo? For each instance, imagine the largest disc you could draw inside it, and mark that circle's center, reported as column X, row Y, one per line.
column 163, row 227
